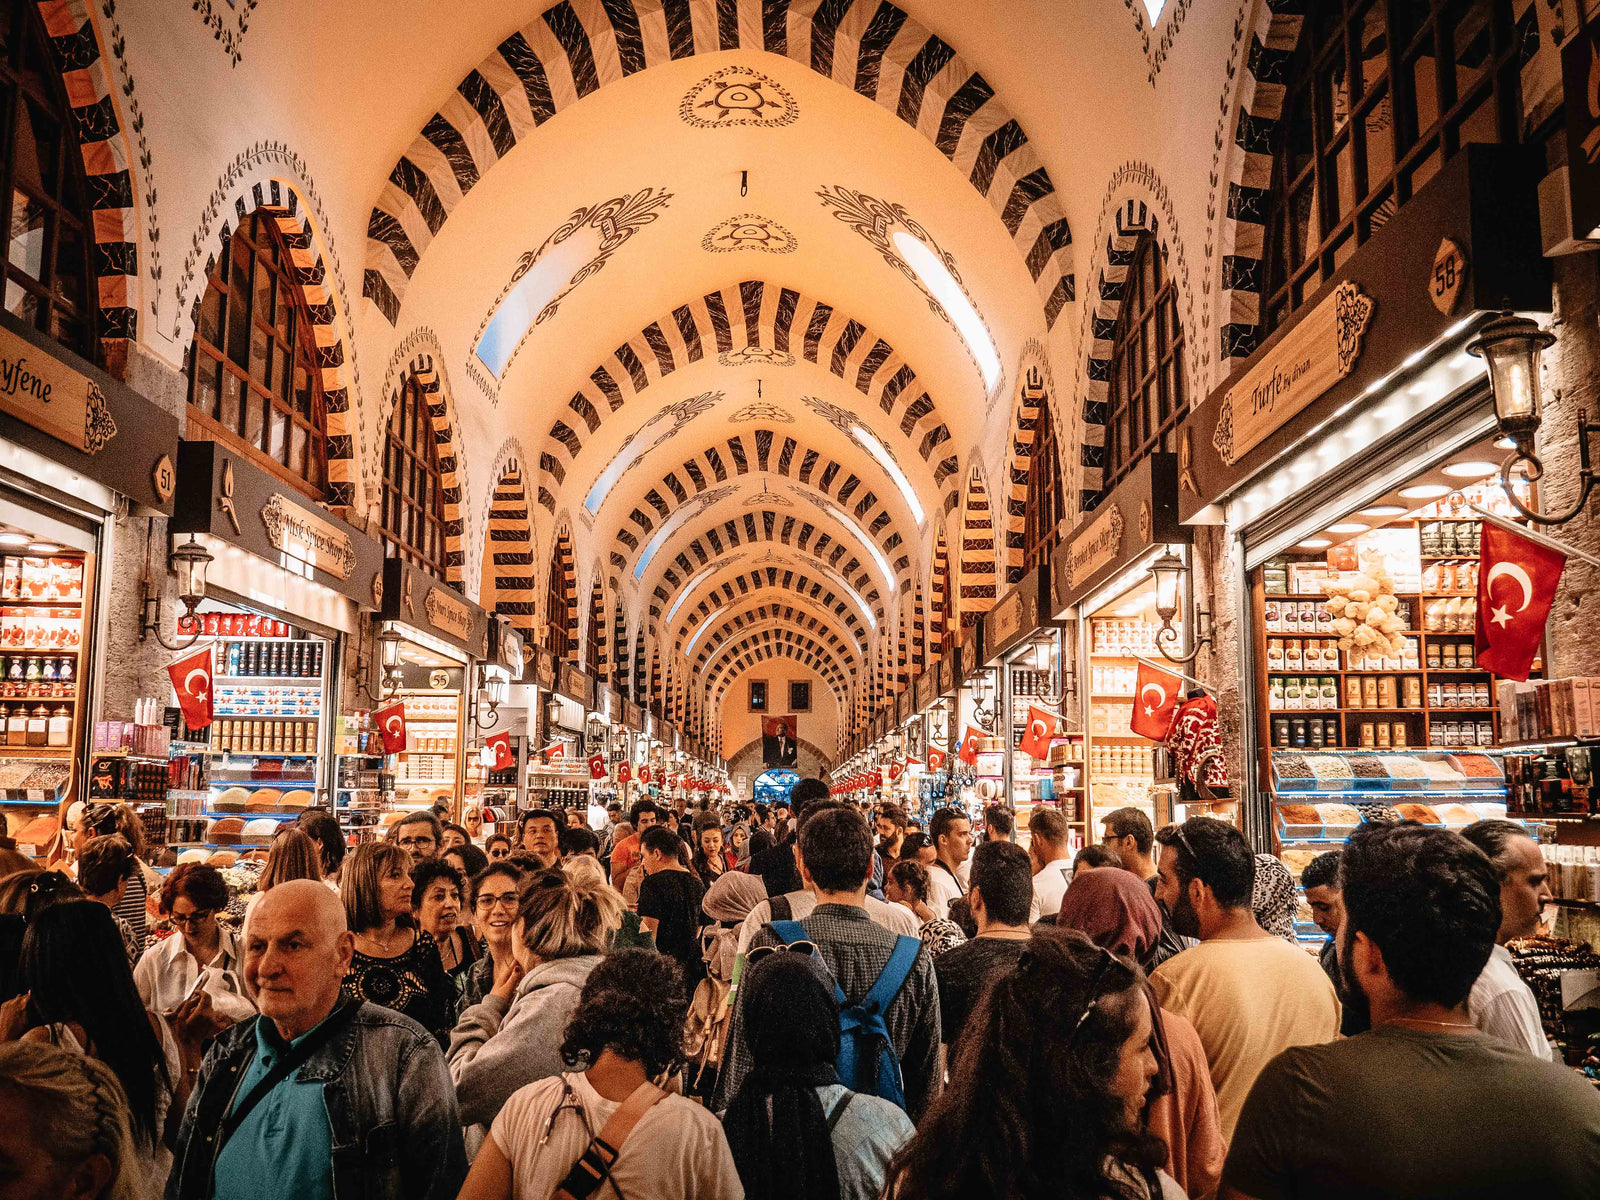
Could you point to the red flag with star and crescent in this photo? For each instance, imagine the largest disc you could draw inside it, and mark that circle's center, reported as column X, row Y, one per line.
column 935, row 760
column 391, row 723
column 597, row 766
column 1517, row 580
column 1042, row 726
column 1155, row 701
column 191, row 679
column 500, row 745
column 969, row 746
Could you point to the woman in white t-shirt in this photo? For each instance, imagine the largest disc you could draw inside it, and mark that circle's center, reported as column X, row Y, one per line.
column 627, row 1032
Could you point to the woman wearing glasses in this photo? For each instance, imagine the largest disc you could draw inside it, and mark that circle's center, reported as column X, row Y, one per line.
column 169, row 971
column 1047, row 1098
column 496, row 892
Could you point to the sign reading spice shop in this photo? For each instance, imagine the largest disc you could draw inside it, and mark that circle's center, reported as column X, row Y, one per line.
column 302, row 534
column 1096, row 546
column 1316, row 354
column 447, row 614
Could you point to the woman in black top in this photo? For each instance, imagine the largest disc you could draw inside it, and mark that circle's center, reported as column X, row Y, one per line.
column 437, row 906
column 710, row 858
column 669, row 901
column 396, row 964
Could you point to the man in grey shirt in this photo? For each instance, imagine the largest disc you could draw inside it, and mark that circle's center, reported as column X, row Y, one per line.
column 1501, row 1004
column 835, row 860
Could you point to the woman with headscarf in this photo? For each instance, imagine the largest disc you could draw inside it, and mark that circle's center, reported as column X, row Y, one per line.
column 1117, row 912
column 1272, row 897
column 727, row 903
column 795, row 1131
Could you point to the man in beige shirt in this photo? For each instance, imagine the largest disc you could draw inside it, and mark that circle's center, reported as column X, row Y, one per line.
column 1248, row 993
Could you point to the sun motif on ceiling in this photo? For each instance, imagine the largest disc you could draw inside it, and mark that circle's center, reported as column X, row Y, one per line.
column 738, row 96
column 749, row 231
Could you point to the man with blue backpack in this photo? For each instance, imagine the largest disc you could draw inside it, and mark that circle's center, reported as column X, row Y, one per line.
column 883, row 983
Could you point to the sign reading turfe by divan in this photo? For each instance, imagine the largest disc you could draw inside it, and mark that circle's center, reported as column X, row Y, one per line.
column 448, row 614
column 52, row 397
column 1313, row 356
column 301, row 534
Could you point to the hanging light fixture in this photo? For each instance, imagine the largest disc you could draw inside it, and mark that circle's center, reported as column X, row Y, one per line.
column 189, row 562
column 1170, row 573
column 1512, row 346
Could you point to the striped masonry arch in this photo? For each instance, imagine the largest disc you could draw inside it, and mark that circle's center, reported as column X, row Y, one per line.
column 619, row 641
column 91, row 96
column 511, row 551
column 778, row 616
column 576, row 47
column 939, row 629
column 977, row 592
column 919, row 642
column 597, row 630
column 423, row 371
column 797, row 581
column 562, row 600
column 1024, row 435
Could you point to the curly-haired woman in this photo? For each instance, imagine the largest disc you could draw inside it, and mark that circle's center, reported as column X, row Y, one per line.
column 625, row 1038
column 1047, row 1090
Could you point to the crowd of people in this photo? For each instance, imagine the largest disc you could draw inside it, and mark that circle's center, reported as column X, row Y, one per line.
column 803, row 1001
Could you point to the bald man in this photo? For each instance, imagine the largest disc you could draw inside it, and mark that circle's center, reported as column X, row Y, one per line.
column 316, row 1098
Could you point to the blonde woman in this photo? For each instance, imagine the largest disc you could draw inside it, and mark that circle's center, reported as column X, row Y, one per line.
column 512, row 1038
column 396, row 964
column 64, row 1128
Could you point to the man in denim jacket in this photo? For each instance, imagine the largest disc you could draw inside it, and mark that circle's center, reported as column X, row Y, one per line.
column 370, row 1113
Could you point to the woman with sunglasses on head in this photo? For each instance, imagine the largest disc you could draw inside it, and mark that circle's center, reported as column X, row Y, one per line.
column 1047, row 1088
column 1116, row 911
column 795, row 1131
column 623, row 1042
column 201, row 953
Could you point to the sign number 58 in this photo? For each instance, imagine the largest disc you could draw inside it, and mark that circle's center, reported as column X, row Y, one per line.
column 1449, row 274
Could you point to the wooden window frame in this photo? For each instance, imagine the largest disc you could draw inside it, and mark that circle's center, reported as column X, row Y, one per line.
column 1383, row 147
column 30, row 75
column 1148, row 389
column 1044, row 508
column 279, row 385
column 558, row 615
column 412, row 508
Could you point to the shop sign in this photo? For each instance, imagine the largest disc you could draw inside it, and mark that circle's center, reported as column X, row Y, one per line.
column 1014, row 617
column 1098, row 546
column 544, row 670
column 1449, row 274
column 302, row 534
column 926, row 688
column 1313, row 356
column 574, row 684
column 1580, row 79
column 633, row 716
column 447, row 614
column 49, row 395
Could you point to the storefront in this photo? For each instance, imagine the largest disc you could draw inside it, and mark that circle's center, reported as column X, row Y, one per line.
column 1025, row 654
column 929, row 735
column 284, row 593
column 73, row 444
column 1344, row 465
column 433, row 638
column 1102, row 591
column 499, row 707
column 558, row 774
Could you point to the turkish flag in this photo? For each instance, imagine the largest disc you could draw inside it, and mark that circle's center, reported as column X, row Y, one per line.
column 894, row 770
column 624, row 772
column 644, row 774
column 1517, row 580
column 1042, row 726
column 391, row 723
column 554, row 751
column 597, row 766
column 191, row 679
column 969, row 746
column 1155, row 701
column 500, row 743
column 935, row 760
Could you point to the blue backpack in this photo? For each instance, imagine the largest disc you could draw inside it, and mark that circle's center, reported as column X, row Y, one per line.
column 867, row 1060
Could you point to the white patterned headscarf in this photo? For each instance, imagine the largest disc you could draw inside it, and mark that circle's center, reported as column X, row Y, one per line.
column 1272, row 898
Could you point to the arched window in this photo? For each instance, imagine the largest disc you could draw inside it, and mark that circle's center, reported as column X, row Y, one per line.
column 44, row 197
column 253, row 376
column 1147, row 384
column 1044, row 508
column 413, row 495
column 557, row 610
column 1379, row 97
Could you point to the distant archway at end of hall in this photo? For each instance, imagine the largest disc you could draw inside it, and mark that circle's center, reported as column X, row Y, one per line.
column 811, row 762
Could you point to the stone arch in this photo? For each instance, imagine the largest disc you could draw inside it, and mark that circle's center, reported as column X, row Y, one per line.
column 786, row 579
column 977, row 592
column 810, row 761
column 752, row 323
column 1137, row 203
column 919, row 628
column 795, row 611
column 751, row 454
column 429, row 376
column 1031, row 394
column 510, row 543
column 782, row 617
column 561, row 561
column 91, row 96
column 939, row 625
column 740, row 656
column 595, row 630
column 1274, row 32
column 576, row 47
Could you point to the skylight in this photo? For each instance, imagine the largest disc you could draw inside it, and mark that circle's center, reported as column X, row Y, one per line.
column 666, row 529
column 886, row 460
column 519, row 310
column 1154, row 7
column 937, row 279
column 689, row 587
column 613, row 472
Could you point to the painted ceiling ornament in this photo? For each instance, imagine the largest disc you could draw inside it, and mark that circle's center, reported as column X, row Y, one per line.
column 737, row 95
column 841, row 419
column 616, row 221
column 762, row 412
column 749, row 231
column 767, row 496
column 755, row 356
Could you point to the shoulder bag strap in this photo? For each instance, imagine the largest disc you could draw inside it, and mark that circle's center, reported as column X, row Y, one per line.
column 594, row 1165
column 893, row 976
column 839, row 1105
column 284, row 1067
column 939, row 862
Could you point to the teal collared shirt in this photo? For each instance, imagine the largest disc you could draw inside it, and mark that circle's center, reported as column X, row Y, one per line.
column 284, row 1148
